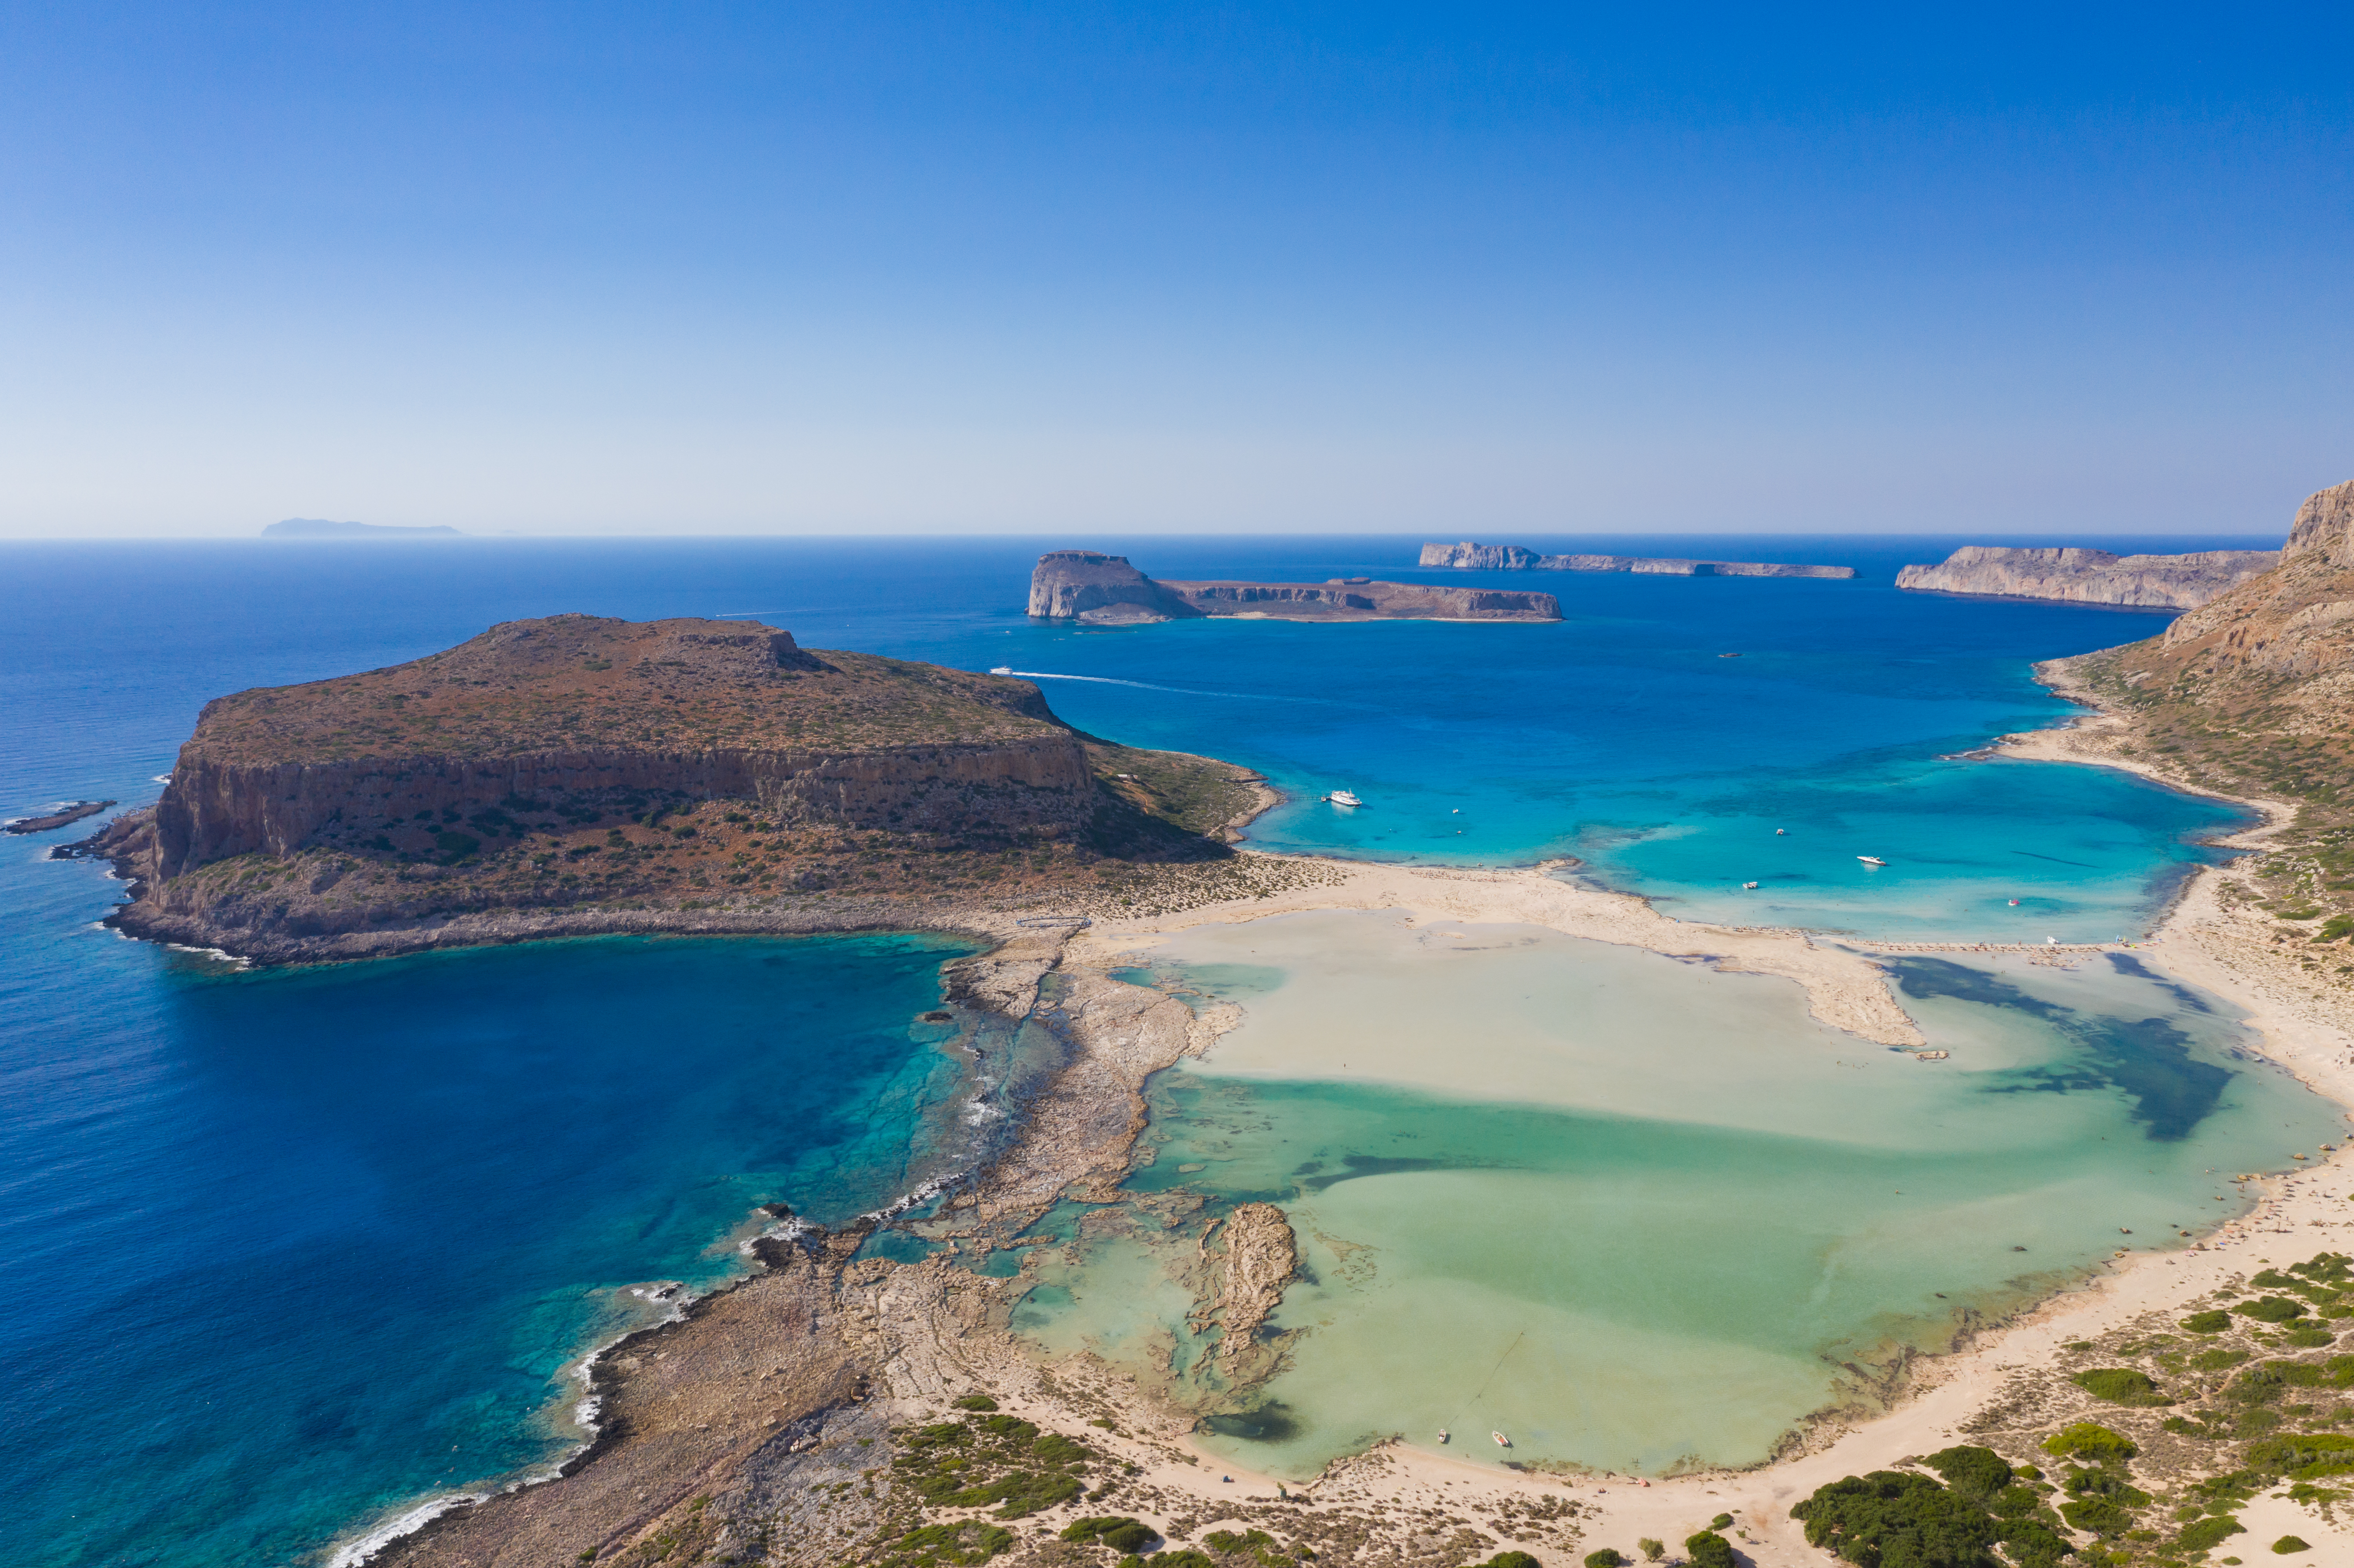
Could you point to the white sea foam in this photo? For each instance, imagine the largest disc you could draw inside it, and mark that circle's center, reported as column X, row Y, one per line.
column 353, row 1553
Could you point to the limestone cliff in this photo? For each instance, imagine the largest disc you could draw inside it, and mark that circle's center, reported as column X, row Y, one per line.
column 1469, row 556
column 1105, row 590
column 580, row 762
column 2252, row 694
column 2090, row 576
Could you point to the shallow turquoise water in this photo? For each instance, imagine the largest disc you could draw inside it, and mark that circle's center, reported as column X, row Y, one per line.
column 1637, row 1215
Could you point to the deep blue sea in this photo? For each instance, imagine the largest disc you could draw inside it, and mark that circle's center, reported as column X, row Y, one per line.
column 292, row 1251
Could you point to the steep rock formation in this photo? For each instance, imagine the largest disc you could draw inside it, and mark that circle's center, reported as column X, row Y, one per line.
column 1099, row 590
column 2090, row 576
column 2252, row 694
column 584, row 710
column 1518, row 558
column 1104, row 590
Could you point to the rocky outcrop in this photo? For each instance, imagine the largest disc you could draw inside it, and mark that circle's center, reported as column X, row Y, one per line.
column 51, row 821
column 1467, row 555
column 579, row 713
column 1261, row 1257
column 2090, row 576
column 2296, row 622
column 1104, row 590
column 1096, row 589
column 1362, row 598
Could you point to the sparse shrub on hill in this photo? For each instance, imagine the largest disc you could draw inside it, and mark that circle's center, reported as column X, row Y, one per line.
column 2119, row 1385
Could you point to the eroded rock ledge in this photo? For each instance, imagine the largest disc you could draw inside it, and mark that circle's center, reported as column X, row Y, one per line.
column 1096, row 589
column 2090, row 576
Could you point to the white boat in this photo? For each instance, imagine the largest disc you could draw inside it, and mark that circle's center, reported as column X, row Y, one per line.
column 1000, row 669
column 1750, row 885
column 1343, row 798
column 1444, row 1435
column 1871, row 860
column 1501, row 1441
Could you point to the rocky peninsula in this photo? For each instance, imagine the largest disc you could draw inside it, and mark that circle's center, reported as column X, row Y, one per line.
column 1469, row 556
column 578, row 773
column 2075, row 575
column 1096, row 589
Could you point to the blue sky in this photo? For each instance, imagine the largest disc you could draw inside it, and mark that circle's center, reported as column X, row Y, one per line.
column 1457, row 270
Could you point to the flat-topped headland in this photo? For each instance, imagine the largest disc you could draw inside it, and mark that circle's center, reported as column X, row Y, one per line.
column 1470, row 556
column 578, row 773
column 1096, row 589
column 2075, row 575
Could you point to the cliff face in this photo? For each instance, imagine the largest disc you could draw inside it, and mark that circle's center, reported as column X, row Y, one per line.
column 2252, row 694
column 578, row 713
column 1104, row 590
column 1083, row 585
column 579, row 773
column 1517, row 558
column 2090, row 576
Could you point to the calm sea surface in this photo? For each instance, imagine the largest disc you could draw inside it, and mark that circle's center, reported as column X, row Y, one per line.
column 296, row 1250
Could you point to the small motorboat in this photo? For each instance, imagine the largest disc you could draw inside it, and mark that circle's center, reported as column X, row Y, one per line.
column 1871, row 860
column 1750, row 885
column 2014, row 904
column 1000, row 669
column 1779, row 832
column 1444, row 1437
column 1343, row 798
column 1501, row 1441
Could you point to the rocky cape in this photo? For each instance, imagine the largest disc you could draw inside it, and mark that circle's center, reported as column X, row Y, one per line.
column 1096, row 589
column 2090, row 576
column 578, row 773
column 1469, row 556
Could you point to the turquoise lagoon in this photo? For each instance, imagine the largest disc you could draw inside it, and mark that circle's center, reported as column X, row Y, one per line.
column 307, row 1250
column 1636, row 1214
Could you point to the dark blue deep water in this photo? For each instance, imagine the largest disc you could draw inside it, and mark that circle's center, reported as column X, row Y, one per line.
column 291, row 1251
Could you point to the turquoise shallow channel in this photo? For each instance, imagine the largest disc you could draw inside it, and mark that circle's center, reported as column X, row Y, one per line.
column 1635, row 1213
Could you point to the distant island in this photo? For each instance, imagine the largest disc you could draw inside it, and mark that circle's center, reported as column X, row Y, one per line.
column 579, row 773
column 2090, row 576
column 1096, row 589
column 1519, row 558
column 323, row 528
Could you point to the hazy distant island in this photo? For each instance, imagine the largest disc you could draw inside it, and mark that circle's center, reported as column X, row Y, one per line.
column 325, row 528
column 1096, row 589
column 2090, row 576
column 582, row 773
column 1519, row 558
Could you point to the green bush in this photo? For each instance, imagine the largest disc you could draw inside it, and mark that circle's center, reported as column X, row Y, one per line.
column 2335, row 928
column 2307, row 1338
column 2098, row 1515
column 2209, row 1532
column 1908, row 1518
column 2091, row 1441
column 976, row 1401
column 1188, row 1558
column 1709, row 1550
column 1973, row 1472
column 2120, row 1385
column 1118, row 1532
column 961, row 1545
column 2270, row 1308
column 1722, row 1521
column 1608, row 1557
column 1227, row 1541
column 1512, row 1560
column 2304, row 1455
column 1652, row 1551
column 2213, row 1322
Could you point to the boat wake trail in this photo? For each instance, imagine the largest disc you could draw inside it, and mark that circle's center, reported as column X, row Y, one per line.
column 1181, row 691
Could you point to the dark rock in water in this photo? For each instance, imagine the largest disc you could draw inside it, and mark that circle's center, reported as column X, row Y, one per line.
column 1104, row 590
column 58, row 818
